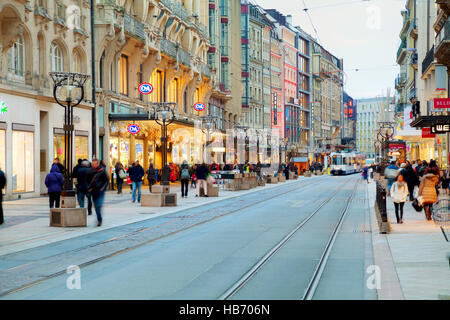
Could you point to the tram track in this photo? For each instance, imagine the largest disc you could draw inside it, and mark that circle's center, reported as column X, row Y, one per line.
column 310, row 290
column 136, row 239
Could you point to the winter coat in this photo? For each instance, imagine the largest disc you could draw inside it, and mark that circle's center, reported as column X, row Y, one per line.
column 2, row 180
column 399, row 192
column 410, row 176
column 151, row 174
column 427, row 188
column 201, row 172
column 136, row 173
column 54, row 180
column 99, row 180
column 83, row 179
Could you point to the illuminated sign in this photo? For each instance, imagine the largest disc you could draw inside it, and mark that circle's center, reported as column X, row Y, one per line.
column 442, row 103
column 426, row 133
column 145, row 88
column 440, row 128
column 133, row 129
column 199, row 106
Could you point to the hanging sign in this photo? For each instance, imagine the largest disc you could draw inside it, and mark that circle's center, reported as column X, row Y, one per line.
column 442, row 103
column 145, row 88
column 133, row 129
column 3, row 107
column 199, row 106
column 440, row 128
column 426, row 133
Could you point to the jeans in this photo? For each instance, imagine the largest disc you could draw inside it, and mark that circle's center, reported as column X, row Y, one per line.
column 184, row 187
column 1, row 207
column 54, row 199
column 98, row 197
column 397, row 207
column 136, row 185
column 119, row 185
column 81, row 195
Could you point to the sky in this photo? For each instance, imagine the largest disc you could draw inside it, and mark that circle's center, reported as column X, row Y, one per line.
column 365, row 33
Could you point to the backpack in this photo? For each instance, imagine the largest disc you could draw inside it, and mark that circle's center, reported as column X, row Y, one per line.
column 185, row 174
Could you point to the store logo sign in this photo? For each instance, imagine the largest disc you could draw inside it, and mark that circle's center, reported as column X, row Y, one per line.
column 133, row 129
column 442, row 103
column 3, row 107
column 199, row 106
column 145, row 88
column 440, row 128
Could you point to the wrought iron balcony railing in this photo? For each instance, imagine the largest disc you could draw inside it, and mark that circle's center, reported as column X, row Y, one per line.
column 428, row 60
column 133, row 27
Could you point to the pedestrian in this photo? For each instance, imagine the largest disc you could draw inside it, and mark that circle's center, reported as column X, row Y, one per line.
column 60, row 166
column 427, row 189
column 2, row 186
column 75, row 171
column 192, row 171
column 258, row 169
column 120, row 176
column 201, row 174
column 399, row 194
column 151, row 176
column 391, row 173
column 365, row 174
column 410, row 178
column 54, row 182
column 185, row 177
column 286, row 172
column 83, row 184
column 98, row 183
column 136, row 173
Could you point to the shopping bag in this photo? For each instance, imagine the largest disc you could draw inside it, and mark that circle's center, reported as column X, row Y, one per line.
column 417, row 206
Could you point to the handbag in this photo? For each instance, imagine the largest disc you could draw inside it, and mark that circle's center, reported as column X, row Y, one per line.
column 122, row 174
column 417, row 206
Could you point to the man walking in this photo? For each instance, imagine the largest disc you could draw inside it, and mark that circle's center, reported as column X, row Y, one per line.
column 97, row 187
column 201, row 173
column 136, row 174
column 2, row 186
column 83, row 184
column 185, row 177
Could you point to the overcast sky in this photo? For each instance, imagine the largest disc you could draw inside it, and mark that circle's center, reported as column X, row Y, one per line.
column 364, row 33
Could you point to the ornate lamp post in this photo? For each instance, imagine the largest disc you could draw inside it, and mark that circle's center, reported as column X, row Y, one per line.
column 385, row 133
column 209, row 123
column 68, row 92
column 164, row 115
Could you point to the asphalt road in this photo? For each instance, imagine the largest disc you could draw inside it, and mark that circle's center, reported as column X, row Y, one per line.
column 200, row 253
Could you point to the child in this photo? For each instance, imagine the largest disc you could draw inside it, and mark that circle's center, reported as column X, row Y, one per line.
column 193, row 181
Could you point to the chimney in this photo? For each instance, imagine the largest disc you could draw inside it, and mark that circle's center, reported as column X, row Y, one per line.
column 289, row 19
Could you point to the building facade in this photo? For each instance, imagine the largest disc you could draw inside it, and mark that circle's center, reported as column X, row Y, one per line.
column 37, row 38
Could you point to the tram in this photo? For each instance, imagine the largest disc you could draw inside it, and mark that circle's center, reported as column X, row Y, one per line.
column 343, row 163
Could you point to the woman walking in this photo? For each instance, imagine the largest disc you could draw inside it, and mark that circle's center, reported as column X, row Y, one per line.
column 427, row 189
column 151, row 176
column 399, row 194
column 54, row 182
column 120, row 175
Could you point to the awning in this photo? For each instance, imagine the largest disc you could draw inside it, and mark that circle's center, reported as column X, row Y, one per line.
column 429, row 121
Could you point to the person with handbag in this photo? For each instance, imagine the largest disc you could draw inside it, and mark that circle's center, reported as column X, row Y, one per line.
column 399, row 194
column 427, row 189
column 120, row 176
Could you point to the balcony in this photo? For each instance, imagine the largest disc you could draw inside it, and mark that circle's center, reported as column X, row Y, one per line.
column 401, row 52
column 406, row 24
column 442, row 44
column 133, row 27
column 413, row 29
column 427, row 63
column 400, row 81
column 445, row 5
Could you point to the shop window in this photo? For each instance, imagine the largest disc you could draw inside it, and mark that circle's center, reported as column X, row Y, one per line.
column 81, row 147
column 58, row 148
column 3, row 150
column 113, row 151
column 23, row 161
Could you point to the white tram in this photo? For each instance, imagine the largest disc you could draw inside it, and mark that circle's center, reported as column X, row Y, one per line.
column 347, row 163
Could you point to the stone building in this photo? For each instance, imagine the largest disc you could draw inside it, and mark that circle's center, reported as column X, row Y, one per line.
column 36, row 38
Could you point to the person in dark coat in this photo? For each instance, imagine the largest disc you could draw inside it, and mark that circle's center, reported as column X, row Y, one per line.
column 75, row 169
column 185, row 177
column 99, row 181
column 2, row 186
column 201, row 173
column 83, row 184
column 119, row 181
column 410, row 178
column 60, row 166
column 286, row 172
column 54, row 182
column 151, row 176
column 136, row 174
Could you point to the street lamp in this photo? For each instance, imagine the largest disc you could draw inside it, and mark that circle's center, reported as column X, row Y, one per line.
column 210, row 123
column 164, row 115
column 68, row 91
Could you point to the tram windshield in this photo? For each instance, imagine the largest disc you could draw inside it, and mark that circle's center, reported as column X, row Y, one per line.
column 337, row 160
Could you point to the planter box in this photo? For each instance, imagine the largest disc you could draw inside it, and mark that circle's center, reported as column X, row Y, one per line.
column 213, row 190
column 272, row 180
column 160, row 189
column 308, row 174
column 68, row 217
column 245, row 186
column 159, row 200
column 261, row 183
column 281, row 179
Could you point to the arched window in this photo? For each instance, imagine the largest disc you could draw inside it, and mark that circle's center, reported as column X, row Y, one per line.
column 76, row 62
column 56, row 58
column 16, row 58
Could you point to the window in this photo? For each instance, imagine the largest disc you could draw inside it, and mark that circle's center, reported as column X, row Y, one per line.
column 2, row 150
column 81, row 147
column 23, row 161
column 158, row 84
column 16, row 58
column 76, row 62
column 56, row 58
column 123, row 75
column 173, row 90
column 197, row 95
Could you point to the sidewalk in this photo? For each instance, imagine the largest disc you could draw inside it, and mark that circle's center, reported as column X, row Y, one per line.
column 416, row 250
column 27, row 221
